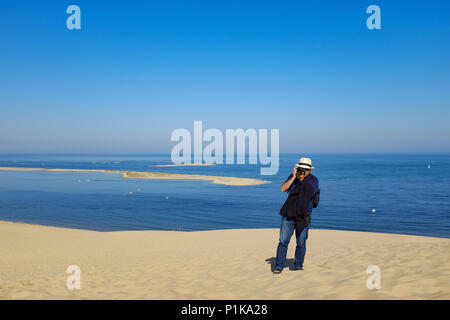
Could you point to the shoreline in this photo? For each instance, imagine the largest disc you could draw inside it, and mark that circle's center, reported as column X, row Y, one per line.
column 228, row 181
column 186, row 165
column 217, row 264
column 211, row 230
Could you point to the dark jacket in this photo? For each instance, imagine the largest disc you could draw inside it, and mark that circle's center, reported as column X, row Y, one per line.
column 312, row 179
column 297, row 203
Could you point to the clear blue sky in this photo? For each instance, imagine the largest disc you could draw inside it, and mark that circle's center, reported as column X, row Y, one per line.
column 138, row 70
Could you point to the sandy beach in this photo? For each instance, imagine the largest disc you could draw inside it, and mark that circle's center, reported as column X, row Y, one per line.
column 223, row 264
column 229, row 181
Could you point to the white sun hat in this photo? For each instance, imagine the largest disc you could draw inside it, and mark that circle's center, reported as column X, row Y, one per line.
column 304, row 163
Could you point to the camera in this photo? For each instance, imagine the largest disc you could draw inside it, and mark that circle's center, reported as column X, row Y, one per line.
column 301, row 170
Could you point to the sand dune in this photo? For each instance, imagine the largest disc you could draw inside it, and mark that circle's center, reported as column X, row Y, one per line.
column 226, row 264
column 229, row 181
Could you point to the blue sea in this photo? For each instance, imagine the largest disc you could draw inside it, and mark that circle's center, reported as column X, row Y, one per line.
column 410, row 194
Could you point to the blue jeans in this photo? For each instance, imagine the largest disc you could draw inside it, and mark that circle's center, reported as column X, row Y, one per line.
column 286, row 231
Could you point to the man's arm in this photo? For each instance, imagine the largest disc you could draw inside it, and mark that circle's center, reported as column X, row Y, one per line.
column 288, row 183
column 315, row 185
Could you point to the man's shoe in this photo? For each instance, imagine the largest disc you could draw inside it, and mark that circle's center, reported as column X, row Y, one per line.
column 277, row 271
column 295, row 269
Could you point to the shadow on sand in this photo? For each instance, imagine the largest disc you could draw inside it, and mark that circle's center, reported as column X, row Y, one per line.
column 289, row 263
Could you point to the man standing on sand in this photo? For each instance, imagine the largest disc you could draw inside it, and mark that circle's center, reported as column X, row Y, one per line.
column 304, row 192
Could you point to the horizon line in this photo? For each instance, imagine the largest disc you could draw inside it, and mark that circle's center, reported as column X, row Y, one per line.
column 236, row 154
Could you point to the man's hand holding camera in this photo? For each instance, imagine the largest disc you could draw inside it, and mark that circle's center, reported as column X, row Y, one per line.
column 300, row 173
column 297, row 173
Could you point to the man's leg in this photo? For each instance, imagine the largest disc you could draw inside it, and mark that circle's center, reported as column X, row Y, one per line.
column 286, row 231
column 300, row 250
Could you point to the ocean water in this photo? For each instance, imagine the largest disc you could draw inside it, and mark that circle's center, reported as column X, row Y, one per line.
column 410, row 194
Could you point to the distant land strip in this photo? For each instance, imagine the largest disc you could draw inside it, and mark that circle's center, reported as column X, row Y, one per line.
column 185, row 165
column 228, row 181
